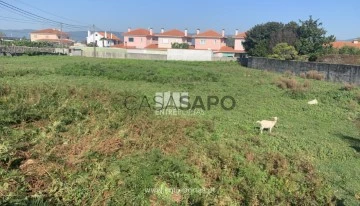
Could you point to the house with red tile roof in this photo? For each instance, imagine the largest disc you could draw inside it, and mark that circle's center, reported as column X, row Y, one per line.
column 140, row 38
column 340, row 44
column 167, row 38
column 239, row 39
column 51, row 35
column 210, row 40
column 224, row 51
column 103, row 39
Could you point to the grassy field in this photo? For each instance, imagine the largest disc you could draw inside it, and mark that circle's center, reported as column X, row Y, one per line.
column 66, row 137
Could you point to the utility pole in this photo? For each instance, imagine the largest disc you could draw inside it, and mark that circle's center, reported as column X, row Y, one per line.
column 94, row 42
column 61, row 30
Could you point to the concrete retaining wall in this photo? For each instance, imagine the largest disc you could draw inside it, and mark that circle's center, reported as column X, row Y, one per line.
column 102, row 52
column 333, row 72
column 150, row 54
column 189, row 55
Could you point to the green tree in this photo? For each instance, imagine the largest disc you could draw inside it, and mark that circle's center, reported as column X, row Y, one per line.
column 257, row 38
column 230, row 41
column 349, row 50
column 179, row 45
column 288, row 34
column 312, row 38
column 284, row 51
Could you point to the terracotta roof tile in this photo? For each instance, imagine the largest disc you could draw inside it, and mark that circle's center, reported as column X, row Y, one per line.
column 209, row 33
column 173, row 33
column 138, row 32
column 152, row 46
column 49, row 31
column 108, row 35
column 339, row 44
column 226, row 49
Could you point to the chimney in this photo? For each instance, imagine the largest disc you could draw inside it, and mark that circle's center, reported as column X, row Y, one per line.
column 129, row 29
column 197, row 31
column 223, row 33
column 105, row 35
column 186, row 32
column 151, row 31
column 89, row 33
column 111, row 35
column 162, row 30
column 236, row 32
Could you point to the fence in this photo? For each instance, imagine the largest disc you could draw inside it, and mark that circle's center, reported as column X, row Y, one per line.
column 333, row 72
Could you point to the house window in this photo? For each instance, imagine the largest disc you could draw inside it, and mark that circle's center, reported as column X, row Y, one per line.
column 215, row 41
column 165, row 41
column 202, row 41
column 154, row 38
column 131, row 39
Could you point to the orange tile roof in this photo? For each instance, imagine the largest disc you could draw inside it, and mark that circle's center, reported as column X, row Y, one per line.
column 209, row 33
column 339, row 44
column 108, row 35
column 49, row 31
column 226, row 49
column 138, row 32
column 152, row 46
column 173, row 33
column 241, row 35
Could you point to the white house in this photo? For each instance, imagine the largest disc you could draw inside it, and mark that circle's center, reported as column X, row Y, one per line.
column 102, row 39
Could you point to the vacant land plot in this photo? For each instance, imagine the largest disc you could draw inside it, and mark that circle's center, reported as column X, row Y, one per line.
column 66, row 137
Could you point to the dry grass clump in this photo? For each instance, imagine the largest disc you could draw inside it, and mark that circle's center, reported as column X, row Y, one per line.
column 292, row 84
column 303, row 75
column 348, row 87
column 288, row 73
column 313, row 74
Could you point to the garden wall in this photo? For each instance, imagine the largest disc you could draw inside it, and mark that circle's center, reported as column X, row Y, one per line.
column 333, row 72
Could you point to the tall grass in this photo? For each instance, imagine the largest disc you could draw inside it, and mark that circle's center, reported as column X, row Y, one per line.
column 67, row 139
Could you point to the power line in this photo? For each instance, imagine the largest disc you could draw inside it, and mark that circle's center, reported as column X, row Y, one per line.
column 29, row 5
column 35, row 17
column 10, row 19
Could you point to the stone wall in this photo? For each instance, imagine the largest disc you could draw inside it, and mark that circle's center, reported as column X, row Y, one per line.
column 332, row 72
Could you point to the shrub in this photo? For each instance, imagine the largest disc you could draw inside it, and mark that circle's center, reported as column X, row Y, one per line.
column 313, row 74
column 288, row 73
column 348, row 87
column 179, row 45
column 303, row 75
column 313, row 58
column 294, row 86
column 284, row 51
column 307, row 84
